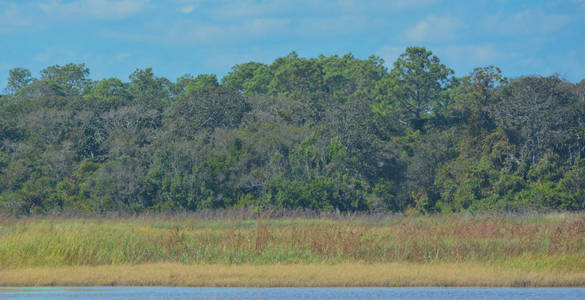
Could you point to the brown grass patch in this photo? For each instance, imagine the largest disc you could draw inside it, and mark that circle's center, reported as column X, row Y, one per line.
column 310, row 275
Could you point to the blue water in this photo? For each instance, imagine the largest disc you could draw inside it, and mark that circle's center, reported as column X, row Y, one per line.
column 285, row 293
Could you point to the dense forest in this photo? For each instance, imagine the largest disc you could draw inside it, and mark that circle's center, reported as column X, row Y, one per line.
column 326, row 133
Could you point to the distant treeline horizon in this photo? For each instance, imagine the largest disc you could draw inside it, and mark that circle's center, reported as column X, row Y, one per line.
column 325, row 133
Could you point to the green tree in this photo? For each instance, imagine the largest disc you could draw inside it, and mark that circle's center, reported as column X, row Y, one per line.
column 108, row 93
column 241, row 75
column 415, row 85
column 296, row 77
column 202, row 82
column 18, row 78
column 581, row 90
column 149, row 89
column 476, row 96
column 68, row 80
column 208, row 109
column 347, row 76
column 537, row 105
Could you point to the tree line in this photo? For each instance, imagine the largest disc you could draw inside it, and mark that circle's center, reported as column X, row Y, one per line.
column 326, row 133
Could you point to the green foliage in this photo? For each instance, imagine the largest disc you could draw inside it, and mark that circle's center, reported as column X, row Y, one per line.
column 327, row 133
column 18, row 78
column 108, row 94
column 414, row 86
column 149, row 89
column 474, row 99
column 67, row 80
column 248, row 77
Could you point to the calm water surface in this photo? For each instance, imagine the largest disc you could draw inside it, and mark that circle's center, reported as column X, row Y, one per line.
column 285, row 293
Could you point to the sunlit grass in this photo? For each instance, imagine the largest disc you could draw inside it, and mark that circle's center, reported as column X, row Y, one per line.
column 526, row 248
column 296, row 275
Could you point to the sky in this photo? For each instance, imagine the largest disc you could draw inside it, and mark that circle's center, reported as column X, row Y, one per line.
column 176, row 37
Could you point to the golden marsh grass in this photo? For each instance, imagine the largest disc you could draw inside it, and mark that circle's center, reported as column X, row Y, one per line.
column 538, row 250
column 279, row 275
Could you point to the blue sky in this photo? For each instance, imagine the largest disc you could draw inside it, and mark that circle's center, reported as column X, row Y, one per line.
column 115, row 37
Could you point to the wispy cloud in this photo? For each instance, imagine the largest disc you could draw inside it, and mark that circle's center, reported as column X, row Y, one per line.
column 12, row 18
column 433, row 29
column 383, row 5
column 527, row 22
column 390, row 53
column 187, row 9
column 39, row 15
column 467, row 57
column 330, row 27
column 251, row 29
column 195, row 33
column 52, row 54
column 100, row 9
column 130, row 36
column 245, row 9
column 248, row 8
column 120, row 57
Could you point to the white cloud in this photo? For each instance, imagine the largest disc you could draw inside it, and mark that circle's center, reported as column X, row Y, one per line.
column 52, row 54
column 120, row 57
column 187, row 9
column 242, row 9
column 433, row 29
column 12, row 18
column 331, row 27
column 193, row 32
column 467, row 57
column 249, row 29
column 152, row 36
column 383, row 5
column 39, row 14
column 389, row 54
column 527, row 22
column 250, row 8
column 100, row 9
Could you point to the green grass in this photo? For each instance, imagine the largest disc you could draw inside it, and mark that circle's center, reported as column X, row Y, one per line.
column 555, row 242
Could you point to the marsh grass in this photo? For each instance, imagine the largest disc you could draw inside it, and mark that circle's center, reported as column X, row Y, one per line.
column 296, row 275
column 535, row 242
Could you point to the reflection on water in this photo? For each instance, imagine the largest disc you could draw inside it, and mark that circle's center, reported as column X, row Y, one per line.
column 284, row 293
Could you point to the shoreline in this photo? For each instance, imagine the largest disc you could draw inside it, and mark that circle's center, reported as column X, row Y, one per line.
column 398, row 274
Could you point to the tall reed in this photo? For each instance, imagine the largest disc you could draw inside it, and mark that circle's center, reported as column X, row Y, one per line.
column 541, row 241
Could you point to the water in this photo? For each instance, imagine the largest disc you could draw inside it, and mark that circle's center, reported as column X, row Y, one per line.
column 286, row 293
